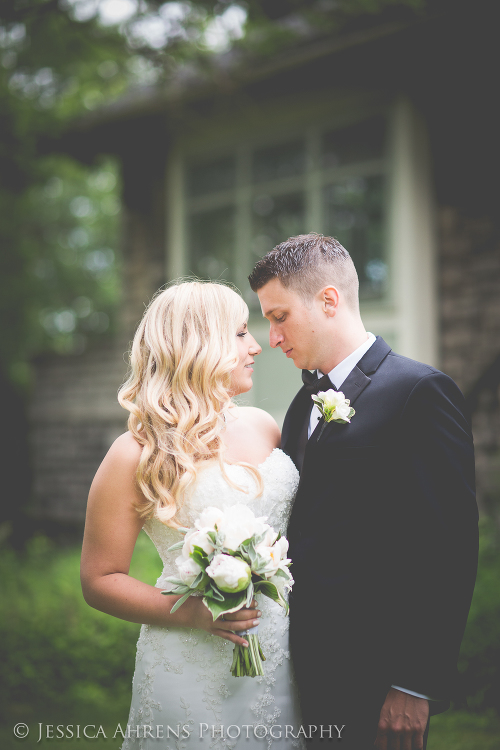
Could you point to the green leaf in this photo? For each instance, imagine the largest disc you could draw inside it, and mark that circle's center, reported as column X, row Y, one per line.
column 247, row 541
column 175, row 581
column 179, row 603
column 182, row 589
column 230, row 603
column 250, row 553
column 226, row 551
column 213, row 537
column 250, row 591
column 217, row 594
column 198, row 579
column 199, row 556
column 176, row 546
column 203, row 584
column 259, row 538
column 269, row 589
column 280, row 573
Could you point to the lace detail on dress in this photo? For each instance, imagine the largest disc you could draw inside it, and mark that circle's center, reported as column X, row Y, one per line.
column 209, row 694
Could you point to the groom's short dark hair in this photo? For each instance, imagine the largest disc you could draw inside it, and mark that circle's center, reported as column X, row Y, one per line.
column 307, row 263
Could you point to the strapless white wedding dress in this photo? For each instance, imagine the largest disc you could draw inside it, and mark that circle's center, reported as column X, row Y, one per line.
column 183, row 695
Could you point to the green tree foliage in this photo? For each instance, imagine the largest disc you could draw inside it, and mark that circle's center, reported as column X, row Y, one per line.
column 58, row 220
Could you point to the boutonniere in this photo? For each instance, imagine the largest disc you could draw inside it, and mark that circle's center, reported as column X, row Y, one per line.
column 334, row 407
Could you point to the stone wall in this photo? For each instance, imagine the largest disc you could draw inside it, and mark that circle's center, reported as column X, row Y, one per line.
column 470, row 334
column 75, row 417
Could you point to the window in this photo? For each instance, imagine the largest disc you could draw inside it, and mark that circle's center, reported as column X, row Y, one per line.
column 240, row 205
column 365, row 182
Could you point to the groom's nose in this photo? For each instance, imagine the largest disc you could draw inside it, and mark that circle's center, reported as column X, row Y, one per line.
column 275, row 338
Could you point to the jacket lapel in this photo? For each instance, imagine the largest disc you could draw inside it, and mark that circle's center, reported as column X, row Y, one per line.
column 357, row 381
column 294, row 421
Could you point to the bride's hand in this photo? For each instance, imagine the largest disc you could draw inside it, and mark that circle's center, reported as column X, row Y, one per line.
column 196, row 615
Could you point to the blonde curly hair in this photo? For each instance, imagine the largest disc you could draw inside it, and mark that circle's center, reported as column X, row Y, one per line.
column 178, row 390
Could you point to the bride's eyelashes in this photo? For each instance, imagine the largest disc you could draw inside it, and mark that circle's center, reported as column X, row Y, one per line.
column 243, row 333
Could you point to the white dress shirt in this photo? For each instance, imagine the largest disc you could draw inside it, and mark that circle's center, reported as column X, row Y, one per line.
column 338, row 376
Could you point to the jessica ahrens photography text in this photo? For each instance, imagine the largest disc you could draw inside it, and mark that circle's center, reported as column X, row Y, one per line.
column 203, row 730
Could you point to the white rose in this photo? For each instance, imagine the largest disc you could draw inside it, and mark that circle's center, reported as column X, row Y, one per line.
column 209, row 518
column 188, row 570
column 342, row 411
column 334, row 405
column 271, row 558
column 270, row 536
column 331, row 399
column 281, row 546
column 238, row 524
column 198, row 538
column 229, row 573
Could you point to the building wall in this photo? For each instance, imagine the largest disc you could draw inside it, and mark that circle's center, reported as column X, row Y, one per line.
column 74, row 419
column 470, row 333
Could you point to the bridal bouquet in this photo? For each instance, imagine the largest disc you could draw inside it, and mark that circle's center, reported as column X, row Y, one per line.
column 227, row 557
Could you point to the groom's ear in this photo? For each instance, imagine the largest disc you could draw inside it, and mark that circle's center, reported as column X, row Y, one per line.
column 330, row 300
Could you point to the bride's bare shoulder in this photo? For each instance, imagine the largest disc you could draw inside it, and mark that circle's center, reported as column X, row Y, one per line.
column 126, row 447
column 114, row 488
column 122, row 458
column 262, row 422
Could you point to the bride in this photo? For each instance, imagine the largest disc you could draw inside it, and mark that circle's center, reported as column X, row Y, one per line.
column 189, row 447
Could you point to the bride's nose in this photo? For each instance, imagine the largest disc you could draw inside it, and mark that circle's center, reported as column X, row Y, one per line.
column 254, row 347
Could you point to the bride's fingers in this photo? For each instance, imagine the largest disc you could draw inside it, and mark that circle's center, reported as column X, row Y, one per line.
column 238, row 624
column 243, row 614
column 241, row 620
column 249, row 616
column 230, row 636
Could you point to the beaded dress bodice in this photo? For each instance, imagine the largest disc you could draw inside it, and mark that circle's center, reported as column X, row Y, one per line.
column 280, row 479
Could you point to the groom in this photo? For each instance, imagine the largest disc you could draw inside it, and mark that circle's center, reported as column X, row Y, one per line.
column 383, row 532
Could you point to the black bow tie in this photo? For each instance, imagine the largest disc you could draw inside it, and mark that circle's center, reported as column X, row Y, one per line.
column 313, row 384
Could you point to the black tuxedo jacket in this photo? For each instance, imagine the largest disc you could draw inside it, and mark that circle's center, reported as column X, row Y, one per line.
column 383, row 534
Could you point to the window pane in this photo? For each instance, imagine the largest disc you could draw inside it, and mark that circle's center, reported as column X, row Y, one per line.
column 274, row 162
column 208, row 177
column 354, row 215
column 356, row 143
column 275, row 219
column 211, row 244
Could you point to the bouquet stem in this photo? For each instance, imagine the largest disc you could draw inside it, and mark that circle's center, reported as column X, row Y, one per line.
column 247, row 662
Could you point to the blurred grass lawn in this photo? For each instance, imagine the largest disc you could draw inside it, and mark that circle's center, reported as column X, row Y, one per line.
column 63, row 663
column 461, row 730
